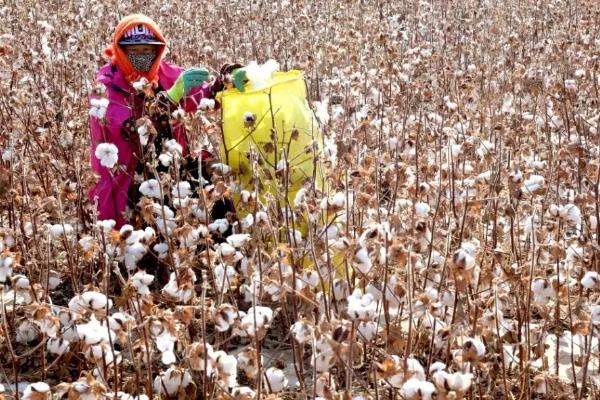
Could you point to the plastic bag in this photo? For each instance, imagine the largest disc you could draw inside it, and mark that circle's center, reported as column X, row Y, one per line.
column 280, row 111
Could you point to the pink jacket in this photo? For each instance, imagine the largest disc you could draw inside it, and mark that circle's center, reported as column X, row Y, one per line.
column 111, row 190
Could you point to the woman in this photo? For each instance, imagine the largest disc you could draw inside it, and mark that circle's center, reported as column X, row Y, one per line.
column 136, row 53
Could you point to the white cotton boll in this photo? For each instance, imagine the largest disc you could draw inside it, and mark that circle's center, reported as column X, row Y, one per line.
column 227, row 365
column 140, row 85
column 238, row 240
column 476, row 346
column 590, row 279
column 262, row 217
column 362, row 261
column 571, row 214
column 106, row 225
column 220, row 168
column 534, row 183
column 422, row 210
column 414, row 389
column 181, row 189
column 226, row 250
column 302, row 331
column 161, row 249
column 243, row 392
column 339, row 200
column 165, row 343
column 98, row 107
column 58, row 230
column 340, row 289
column 36, row 391
column 171, row 381
column 57, row 346
column 165, row 159
column 27, row 332
column 463, row 259
column 133, row 254
column 93, row 333
column 219, row 225
column 361, row 307
column 173, row 147
column 21, row 282
column 149, row 234
column 141, row 280
column 542, row 290
column 178, row 114
column 206, row 104
column 368, row 330
column 95, row 300
column 6, row 270
column 321, row 111
column 224, row 276
column 516, row 176
column 260, row 74
column 595, row 314
column 570, row 84
column 276, row 379
column 150, row 188
column 263, row 315
column 249, row 117
column 108, row 154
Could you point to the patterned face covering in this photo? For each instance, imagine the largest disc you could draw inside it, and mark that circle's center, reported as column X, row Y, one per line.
column 142, row 62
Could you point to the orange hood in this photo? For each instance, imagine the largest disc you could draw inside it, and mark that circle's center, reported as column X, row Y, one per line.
column 119, row 57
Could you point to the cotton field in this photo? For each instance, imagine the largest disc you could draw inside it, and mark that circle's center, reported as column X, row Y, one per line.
column 444, row 243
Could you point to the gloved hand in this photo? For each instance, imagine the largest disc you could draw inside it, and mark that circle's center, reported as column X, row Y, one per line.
column 188, row 79
column 237, row 73
column 239, row 77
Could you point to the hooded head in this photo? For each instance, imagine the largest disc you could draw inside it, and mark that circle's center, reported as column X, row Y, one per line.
column 137, row 48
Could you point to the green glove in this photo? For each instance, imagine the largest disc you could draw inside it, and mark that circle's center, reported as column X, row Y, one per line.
column 239, row 77
column 189, row 79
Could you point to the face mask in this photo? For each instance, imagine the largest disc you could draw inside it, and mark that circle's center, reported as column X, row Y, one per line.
column 142, row 62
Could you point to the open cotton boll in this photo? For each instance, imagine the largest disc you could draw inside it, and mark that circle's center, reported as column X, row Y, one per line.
column 219, row 225
column 339, row 200
column 238, row 240
column 302, row 331
column 414, row 389
column 57, row 346
column 263, row 315
column 37, row 391
column 58, row 230
column 542, row 290
column 172, row 381
column 106, row 225
column 165, row 159
column 141, row 280
column 259, row 75
column 361, row 307
column 206, row 104
column 181, row 189
column 161, row 249
column 150, row 188
column 367, row 330
column 220, row 168
column 134, row 253
column 534, row 184
column 173, row 147
column 473, row 349
column 93, row 332
column 224, row 277
column 276, row 380
column 6, row 264
column 227, row 366
column 571, row 214
column 422, row 210
column 108, row 154
column 362, row 261
column 165, row 343
column 590, row 279
column 27, row 332
column 91, row 300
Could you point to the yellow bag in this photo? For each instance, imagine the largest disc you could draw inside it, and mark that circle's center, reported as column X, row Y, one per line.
column 280, row 108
